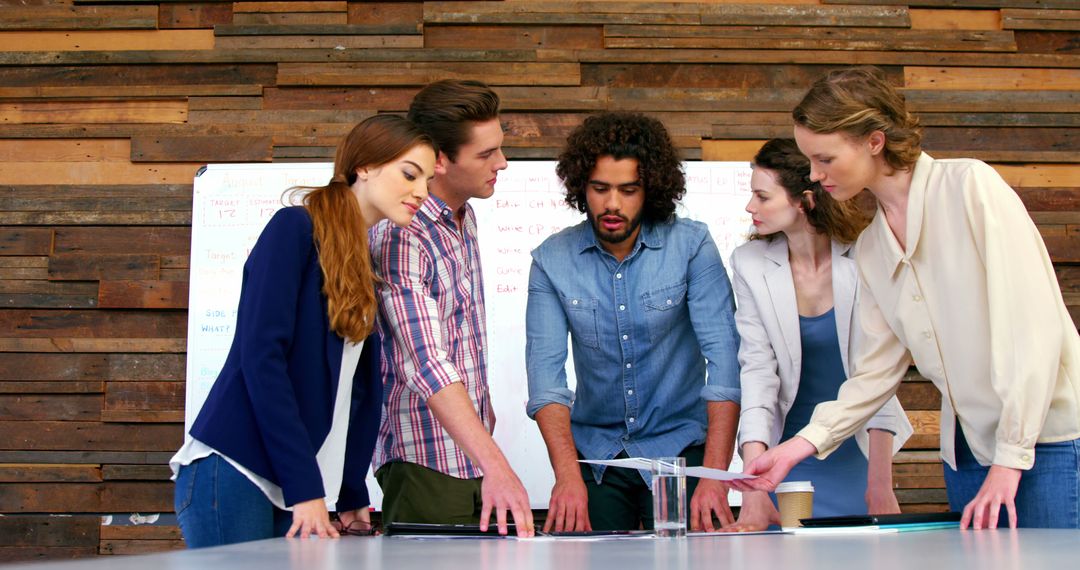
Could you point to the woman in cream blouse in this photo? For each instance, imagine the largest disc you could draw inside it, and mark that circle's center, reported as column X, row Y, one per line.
column 955, row 278
column 796, row 286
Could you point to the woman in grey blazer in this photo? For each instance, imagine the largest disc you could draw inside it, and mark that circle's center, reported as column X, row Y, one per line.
column 795, row 285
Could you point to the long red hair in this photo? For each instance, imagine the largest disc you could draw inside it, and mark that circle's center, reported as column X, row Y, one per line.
column 340, row 230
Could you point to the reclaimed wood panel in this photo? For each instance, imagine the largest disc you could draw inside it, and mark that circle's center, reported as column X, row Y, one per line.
column 919, row 396
column 115, row 91
column 142, row 294
column 95, row 218
column 374, row 98
column 560, row 13
column 975, row 100
column 65, row 387
column 99, row 457
column 31, row 323
column 81, row 344
column 136, row 473
column 726, row 37
column 28, row 537
column 90, row 198
column 1047, row 42
column 966, row 3
column 81, row 367
column 93, row 267
column 319, row 41
column 132, row 547
column 218, row 103
column 740, row 150
column 136, row 111
column 514, row 37
column 201, row 149
column 63, row 436
column 388, row 13
column 290, row 19
column 71, row 150
column 193, row 15
column 31, row 473
column 383, row 29
column 59, row 75
column 78, row 17
column 280, row 7
column 702, row 76
column 796, row 15
column 992, row 79
column 132, row 240
column 421, row 73
column 831, row 57
column 1022, row 19
column 25, row 241
column 107, row 40
column 110, row 496
column 143, row 399
column 42, row 407
column 30, row 293
column 24, row 173
column 1039, row 175
column 937, row 19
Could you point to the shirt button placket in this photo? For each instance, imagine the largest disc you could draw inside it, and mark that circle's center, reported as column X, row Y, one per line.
column 622, row 322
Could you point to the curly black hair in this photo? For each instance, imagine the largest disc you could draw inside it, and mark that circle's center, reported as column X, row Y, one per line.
column 624, row 135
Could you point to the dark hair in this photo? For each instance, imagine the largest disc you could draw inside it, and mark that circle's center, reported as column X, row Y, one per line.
column 858, row 101
column 624, row 135
column 447, row 109
column 842, row 221
column 339, row 228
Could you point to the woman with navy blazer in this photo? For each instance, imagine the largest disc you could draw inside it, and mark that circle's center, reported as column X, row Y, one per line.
column 795, row 285
column 291, row 420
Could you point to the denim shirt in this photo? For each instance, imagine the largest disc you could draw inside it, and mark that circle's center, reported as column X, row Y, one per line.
column 644, row 331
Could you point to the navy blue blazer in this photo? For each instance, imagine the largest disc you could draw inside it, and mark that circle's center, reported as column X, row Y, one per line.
column 271, row 407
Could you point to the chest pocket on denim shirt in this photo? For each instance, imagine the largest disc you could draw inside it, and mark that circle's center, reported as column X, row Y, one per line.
column 663, row 308
column 581, row 314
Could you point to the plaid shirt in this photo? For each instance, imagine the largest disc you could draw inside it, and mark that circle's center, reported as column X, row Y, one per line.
column 434, row 331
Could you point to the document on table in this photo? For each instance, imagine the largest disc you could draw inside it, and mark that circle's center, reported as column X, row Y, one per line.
column 646, row 465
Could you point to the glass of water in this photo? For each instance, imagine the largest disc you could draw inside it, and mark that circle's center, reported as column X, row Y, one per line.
column 669, row 496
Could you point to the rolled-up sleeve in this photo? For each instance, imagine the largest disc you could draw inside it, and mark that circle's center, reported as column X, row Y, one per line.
column 411, row 312
column 546, row 331
column 712, row 314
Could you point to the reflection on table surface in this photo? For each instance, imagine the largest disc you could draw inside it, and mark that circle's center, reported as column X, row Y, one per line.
column 1025, row 548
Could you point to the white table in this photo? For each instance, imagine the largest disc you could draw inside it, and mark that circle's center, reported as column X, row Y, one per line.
column 948, row 549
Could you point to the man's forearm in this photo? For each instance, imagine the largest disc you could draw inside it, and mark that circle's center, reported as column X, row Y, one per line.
column 554, row 423
column 455, row 412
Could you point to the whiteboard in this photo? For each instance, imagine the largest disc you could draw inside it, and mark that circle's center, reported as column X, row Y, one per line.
column 233, row 202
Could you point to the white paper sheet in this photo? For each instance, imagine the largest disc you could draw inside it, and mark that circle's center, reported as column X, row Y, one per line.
column 646, row 465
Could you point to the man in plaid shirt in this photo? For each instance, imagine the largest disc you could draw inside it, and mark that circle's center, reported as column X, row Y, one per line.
column 435, row 459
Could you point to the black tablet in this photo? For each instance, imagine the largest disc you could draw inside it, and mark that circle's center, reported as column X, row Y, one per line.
column 865, row 520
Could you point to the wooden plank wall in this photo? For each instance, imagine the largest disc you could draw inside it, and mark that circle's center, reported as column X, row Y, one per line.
column 108, row 107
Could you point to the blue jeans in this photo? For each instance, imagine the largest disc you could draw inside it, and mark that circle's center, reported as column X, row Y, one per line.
column 216, row 504
column 1049, row 492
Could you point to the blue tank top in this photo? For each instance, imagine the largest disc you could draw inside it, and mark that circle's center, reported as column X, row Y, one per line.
column 840, row 479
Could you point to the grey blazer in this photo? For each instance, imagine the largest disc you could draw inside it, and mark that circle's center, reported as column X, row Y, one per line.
column 770, row 352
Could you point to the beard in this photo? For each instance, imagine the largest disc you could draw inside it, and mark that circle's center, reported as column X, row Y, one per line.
column 629, row 227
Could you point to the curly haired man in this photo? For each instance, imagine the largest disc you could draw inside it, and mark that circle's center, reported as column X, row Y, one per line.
column 649, row 310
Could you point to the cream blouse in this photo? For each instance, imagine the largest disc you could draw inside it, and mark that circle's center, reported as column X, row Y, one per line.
column 974, row 301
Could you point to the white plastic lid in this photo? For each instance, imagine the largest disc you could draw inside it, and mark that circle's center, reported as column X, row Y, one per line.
column 795, row 487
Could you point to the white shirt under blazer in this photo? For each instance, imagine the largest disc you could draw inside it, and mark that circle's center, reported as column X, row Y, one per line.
column 770, row 352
